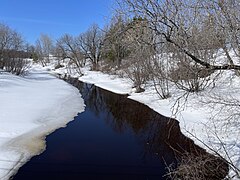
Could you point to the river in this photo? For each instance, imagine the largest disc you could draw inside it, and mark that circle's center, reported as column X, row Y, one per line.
column 115, row 138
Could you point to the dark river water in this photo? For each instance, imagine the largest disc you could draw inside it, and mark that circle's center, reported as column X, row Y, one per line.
column 115, row 138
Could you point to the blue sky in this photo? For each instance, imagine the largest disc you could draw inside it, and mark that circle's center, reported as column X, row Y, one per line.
column 53, row 17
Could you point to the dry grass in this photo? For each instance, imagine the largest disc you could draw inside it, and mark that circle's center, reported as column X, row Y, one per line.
column 202, row 167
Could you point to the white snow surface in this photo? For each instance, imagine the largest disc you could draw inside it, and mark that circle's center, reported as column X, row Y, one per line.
column 32, row 107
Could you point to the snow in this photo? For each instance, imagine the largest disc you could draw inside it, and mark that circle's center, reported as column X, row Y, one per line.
column 108, row 82
column 31, row 108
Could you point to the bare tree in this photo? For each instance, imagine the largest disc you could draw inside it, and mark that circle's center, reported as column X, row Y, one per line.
column 44, row 48
column 67, row 48
column 115, row 48
column 226, row 16
column 9, row 40
column 91, row 43
column 12, row 51
column 136, row 39
column 175, row 21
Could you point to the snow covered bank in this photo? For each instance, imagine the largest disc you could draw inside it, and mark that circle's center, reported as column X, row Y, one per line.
column 111, row 83
column 31, row 108
column 200, row 119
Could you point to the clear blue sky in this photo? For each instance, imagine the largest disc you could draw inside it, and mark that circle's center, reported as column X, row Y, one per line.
column 54, row 17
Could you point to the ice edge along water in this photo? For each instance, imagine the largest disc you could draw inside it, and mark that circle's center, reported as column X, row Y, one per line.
column 31, row 108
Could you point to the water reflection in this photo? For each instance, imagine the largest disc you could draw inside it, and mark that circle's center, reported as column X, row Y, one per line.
column 158, row 133
column 115, row 138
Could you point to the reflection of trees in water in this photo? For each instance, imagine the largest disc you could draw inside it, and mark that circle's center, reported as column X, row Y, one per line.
column 159, row 132
column 123, row 113
column 159, row 135
column 92, row 99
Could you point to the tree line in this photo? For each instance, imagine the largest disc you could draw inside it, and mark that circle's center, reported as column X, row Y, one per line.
column 158, row 40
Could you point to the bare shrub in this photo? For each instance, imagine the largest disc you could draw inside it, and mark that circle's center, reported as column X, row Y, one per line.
column 16, row 66
column 138, row 37
column 188, row 75
column 199, row 167
column 158, row 69
column 137, row 71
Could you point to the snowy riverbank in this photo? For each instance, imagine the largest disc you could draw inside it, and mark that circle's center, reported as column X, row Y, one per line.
column 31, row 108
column 200, row 117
